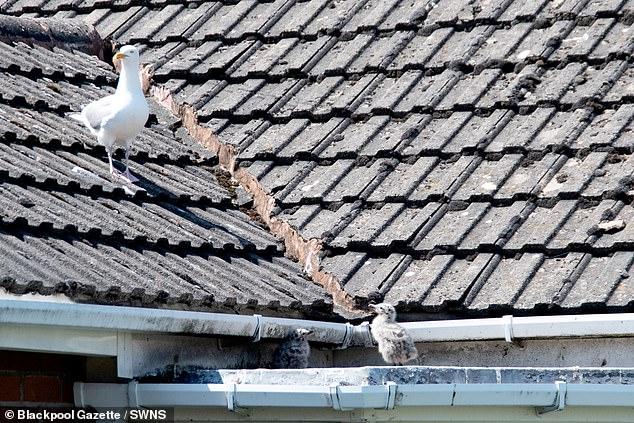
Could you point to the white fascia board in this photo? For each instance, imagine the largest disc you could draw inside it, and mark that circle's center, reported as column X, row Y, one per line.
column 58, row 339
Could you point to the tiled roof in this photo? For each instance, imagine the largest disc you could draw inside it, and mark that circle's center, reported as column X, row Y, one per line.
column 176, row 238
column 454, row 157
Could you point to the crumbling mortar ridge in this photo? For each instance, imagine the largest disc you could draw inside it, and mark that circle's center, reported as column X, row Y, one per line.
column 305, row 251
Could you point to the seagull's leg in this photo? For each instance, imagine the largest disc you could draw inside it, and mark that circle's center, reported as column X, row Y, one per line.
column 109, row 151
column 127, row 174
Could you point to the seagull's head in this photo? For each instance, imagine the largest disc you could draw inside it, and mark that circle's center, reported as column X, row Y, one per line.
column 384, row 309
column 127, row 54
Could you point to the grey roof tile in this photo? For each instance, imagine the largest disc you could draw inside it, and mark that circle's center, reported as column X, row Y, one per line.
column 407, row 13
column 318, row 182
column 341, row 55
column 545, row 285
column 582, row 40
column 530, row 176
column 542, row 225
column 598, row 280
column 477, row 132
column 297, row 18
column 452, row 228
column 495, row 226
column 444, row 179
column 428, row 92
column 502, row 287
column 420, row 49
column 355, row 137
column 174, row 239
column 223, row 20
column 622, row 237
column 562, row 129
column 416, row 280
column 372, row 274
column 593, row 84
column 619, row 40
column 541, row 42
column 376, row 125
column 333, row 17
column 607, row 180
column 312, row 137
column 356, row 181
column 405, row 227
column 403, row 180
column 573, row 176
column 579, row 225
column 365, row 226
column 380, row 52
column 501, row 46
column 487, row 178
column 436, row 133
column 370, row 15
column 455, row 282
column 520, row 131
column 460, row 47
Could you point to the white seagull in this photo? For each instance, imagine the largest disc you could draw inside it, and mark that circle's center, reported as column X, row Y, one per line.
column 118, row 118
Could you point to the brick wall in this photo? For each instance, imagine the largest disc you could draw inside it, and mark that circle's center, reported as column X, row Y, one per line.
column 38, row 378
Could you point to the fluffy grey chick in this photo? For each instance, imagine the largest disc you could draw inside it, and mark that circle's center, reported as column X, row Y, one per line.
column 293, row 351
column 395, row 344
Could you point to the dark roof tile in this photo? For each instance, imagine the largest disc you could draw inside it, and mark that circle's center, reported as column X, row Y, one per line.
column 452, row 139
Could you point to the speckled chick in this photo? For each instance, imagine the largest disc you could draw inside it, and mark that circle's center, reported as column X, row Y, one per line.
column 293, row 351
column 395, row 344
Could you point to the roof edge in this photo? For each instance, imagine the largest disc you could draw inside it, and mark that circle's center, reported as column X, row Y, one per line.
column 65, row 34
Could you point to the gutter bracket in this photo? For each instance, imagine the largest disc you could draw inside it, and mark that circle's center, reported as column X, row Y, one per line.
column 560, row 399
column 391, row 394
column 133, row 397
column 347, row 337
column 231, row 397
column 334, row 397
column 366, row 336
column 257, row 335
column 507, row 322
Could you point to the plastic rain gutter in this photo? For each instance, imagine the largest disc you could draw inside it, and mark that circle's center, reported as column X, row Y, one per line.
column 63, row 316
column 545, row 397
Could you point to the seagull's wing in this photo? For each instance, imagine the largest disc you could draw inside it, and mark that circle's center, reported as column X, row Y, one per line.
column 96, row 113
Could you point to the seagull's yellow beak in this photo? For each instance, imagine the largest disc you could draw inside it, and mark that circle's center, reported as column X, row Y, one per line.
column 119, row 56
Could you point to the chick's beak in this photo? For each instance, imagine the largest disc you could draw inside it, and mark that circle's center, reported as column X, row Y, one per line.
column 119, row 56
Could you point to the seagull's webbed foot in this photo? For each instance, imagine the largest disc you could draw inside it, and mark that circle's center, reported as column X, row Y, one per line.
column 129, row 176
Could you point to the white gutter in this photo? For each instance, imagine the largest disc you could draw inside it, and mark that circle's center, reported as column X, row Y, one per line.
column 546, row 397
column 149, row 320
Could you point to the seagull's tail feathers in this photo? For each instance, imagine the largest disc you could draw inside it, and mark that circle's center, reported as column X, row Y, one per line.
column 77, row 116
column 81, row 118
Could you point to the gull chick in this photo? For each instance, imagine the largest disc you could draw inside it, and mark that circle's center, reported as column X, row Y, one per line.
column 118, row 118
column 395, row 344
column 293, row 351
